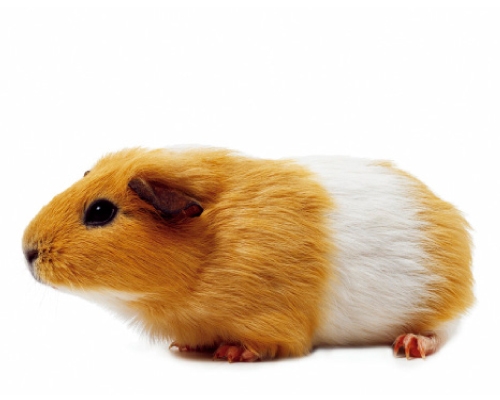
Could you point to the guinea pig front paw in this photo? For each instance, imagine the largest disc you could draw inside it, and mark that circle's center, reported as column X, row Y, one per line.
column 184, row 348
column 235, row 353
column 415, row 346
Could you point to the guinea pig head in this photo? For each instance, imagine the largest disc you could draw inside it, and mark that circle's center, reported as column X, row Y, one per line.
column 125, row 226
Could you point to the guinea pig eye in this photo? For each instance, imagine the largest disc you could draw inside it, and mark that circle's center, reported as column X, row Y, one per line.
column 99, row 213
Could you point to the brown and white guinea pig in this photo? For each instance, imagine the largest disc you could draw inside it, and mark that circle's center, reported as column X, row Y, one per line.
column 257, row 259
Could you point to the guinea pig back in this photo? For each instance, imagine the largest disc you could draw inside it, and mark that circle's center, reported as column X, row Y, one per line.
column 256, row 258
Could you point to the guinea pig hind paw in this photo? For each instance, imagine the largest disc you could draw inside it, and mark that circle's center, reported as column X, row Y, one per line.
column 415, row 346
column 235, row 353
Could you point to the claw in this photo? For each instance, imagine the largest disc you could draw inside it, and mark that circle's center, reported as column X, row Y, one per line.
column 407, row 347
column 397, row 344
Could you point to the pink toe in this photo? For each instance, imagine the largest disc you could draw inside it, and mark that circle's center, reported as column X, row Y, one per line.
column 234, row 353
column 249, row 356
column 221, row 352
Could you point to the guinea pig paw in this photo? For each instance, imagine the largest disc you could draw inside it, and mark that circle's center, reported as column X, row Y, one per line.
column 180, row 347
column 415, row 346
column 184, row 348
column 234, row 353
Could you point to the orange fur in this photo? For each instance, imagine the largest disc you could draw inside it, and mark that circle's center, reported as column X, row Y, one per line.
column 251, row 269
column 448, row 245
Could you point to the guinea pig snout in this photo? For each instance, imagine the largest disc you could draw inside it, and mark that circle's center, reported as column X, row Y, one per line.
column 31, row 255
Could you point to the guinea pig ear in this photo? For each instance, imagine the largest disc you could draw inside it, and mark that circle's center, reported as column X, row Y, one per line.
column 173, row 204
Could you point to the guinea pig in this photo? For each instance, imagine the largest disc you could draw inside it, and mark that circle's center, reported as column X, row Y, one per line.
column 254, row 259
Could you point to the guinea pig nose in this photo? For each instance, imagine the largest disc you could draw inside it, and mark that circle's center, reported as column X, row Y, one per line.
column 31, row 255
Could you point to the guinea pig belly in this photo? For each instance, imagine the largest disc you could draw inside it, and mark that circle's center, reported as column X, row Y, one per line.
column 379, row 276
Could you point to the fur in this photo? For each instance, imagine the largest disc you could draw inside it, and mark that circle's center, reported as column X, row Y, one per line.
column 403, row 256
column 448, row 248
column 286, row 254
column 251, row 269
column 380, row 279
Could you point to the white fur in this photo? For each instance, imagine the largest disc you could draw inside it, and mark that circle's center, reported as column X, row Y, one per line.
column 114, row 300
column 380, row 276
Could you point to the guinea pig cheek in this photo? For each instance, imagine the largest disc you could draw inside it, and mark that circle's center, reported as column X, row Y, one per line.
column 89, row 258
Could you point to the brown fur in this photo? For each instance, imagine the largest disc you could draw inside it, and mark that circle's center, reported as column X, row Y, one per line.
column 250, row 270
column 448, row 245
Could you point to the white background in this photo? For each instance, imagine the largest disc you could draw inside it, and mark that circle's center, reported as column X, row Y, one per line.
column 420, row 86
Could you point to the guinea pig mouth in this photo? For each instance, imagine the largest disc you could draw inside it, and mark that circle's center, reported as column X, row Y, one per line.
column 35, row 268
column 32, row 257
column 34, row 271
column 37, row 262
